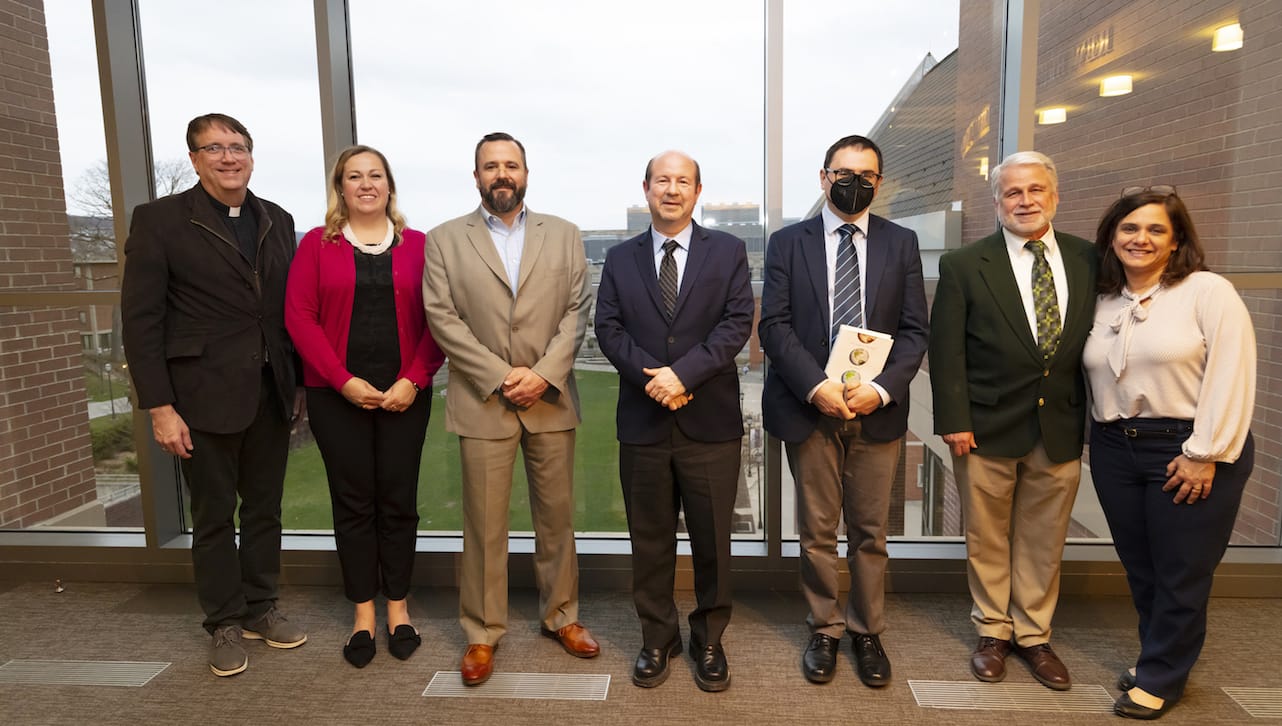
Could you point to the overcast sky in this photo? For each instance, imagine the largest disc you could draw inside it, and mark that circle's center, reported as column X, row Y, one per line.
column 592, row 88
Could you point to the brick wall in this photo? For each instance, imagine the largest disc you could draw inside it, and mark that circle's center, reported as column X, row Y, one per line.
column 46, row 465
column 1209, row 123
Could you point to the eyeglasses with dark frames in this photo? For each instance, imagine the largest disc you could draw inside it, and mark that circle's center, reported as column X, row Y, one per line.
column 213, row 151
column 845, row 176
column 1166, row 189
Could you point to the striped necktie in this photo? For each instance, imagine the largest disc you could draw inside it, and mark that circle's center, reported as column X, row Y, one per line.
column 847, row 295
column 668, row 276
column 1045, row 304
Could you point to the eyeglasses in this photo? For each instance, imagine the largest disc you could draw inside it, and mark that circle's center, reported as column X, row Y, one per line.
column 237, row 151
column 1166, row 189
column 845, row 176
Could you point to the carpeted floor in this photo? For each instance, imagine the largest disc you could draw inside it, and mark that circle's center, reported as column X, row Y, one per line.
column 929, row 639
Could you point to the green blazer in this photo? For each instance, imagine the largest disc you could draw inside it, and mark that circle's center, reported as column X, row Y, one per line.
column 986, row 373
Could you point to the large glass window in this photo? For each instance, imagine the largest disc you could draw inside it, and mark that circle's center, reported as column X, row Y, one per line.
column 1186, row 99
column 593, row 95
column 244, row 65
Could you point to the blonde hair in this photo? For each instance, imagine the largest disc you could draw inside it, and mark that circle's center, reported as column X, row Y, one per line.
column 336, row 214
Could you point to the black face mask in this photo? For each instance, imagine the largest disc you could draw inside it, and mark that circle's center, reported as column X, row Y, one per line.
column 851, row 196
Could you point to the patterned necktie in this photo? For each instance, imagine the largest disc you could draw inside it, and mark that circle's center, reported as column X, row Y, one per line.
column 847, row 297
column 1045, row 304
column 668, row 276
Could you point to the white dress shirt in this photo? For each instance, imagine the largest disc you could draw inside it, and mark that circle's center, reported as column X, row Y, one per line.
column 509, row 242
column 679, row 255
column 1021, row 262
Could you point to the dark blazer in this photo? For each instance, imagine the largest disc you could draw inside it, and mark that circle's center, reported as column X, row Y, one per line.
column 711, row 323
column 198, row 316
column 986, row 373
column 796, row 323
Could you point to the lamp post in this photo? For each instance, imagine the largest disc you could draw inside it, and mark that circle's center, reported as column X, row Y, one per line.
column 111, row 395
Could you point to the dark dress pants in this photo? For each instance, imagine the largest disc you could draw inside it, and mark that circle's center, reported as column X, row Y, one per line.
column 659, row 480
column 1170, row 551
column 372, row 462
column 238, row 584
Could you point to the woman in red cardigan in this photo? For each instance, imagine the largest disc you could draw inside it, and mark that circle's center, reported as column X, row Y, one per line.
column 354, row 308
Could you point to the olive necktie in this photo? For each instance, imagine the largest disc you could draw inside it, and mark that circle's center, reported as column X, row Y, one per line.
column 1045, row 304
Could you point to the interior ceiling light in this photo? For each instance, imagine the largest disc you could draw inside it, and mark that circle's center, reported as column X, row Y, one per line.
column 1115, row 86
column 1049, row 116
column 1227, row 37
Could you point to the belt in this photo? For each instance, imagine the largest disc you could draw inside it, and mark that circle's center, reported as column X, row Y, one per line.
column 1151, row 429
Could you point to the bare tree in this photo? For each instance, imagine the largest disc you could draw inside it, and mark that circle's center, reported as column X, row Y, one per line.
column 93, row 236
column 92, row 191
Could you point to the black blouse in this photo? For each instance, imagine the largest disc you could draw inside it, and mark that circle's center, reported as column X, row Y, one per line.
column 373, row 344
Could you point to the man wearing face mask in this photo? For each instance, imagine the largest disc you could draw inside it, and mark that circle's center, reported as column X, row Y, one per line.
column 843, row 266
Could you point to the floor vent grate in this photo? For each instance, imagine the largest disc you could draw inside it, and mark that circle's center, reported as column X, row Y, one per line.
column 1010, row 697
column 1259, row 702
column 560, row 686
column 80, row 672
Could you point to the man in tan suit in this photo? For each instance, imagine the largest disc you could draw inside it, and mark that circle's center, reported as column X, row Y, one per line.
column 507, row 298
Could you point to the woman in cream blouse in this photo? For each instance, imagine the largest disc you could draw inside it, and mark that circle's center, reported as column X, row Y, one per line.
column 1170, row 363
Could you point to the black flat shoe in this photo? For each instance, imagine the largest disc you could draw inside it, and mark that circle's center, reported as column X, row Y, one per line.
column 1130, row 709
column 1126, row 681
column 359, row 649
column 403, row 641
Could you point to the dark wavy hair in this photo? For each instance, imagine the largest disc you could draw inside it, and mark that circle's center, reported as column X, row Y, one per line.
column 1184, row 261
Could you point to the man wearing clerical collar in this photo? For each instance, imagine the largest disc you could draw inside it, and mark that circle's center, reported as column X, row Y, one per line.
column 202, row 302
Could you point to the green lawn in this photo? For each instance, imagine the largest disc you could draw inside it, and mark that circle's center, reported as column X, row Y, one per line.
column 598, row 498
column 96, row 388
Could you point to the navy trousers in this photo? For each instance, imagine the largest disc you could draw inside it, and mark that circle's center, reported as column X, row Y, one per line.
column 1170, row 551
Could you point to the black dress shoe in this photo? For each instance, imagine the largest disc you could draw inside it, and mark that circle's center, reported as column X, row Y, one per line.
column 871, row 660
column 819, row 662
column 651, row 668
column 1126, row 681
column 359, row 649
column 403, row 641
column 1130, row 709
column 711, row 672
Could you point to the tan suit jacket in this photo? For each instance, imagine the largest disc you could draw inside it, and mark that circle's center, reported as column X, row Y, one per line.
column 486, row 330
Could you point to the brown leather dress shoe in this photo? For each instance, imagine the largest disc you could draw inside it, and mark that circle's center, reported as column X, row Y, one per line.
column 1047, row 668
column 576, row 640
column 988, row 662
column 478, row 664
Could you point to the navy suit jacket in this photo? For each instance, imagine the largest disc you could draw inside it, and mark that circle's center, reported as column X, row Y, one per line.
column 795, row 327
column 710, row 325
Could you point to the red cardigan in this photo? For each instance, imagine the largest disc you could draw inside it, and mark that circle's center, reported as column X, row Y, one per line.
column 318, row 309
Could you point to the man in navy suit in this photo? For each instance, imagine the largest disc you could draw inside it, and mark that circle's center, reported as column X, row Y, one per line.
column 674, row 308
column 844, row 266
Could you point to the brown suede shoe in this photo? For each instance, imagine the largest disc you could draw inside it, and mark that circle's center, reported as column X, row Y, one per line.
column 1047, row 668
column 478, row 664
column 988, row 662
column 576, row 640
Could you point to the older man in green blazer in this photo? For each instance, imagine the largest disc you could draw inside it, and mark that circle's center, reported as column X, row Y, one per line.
column 1010, row 317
